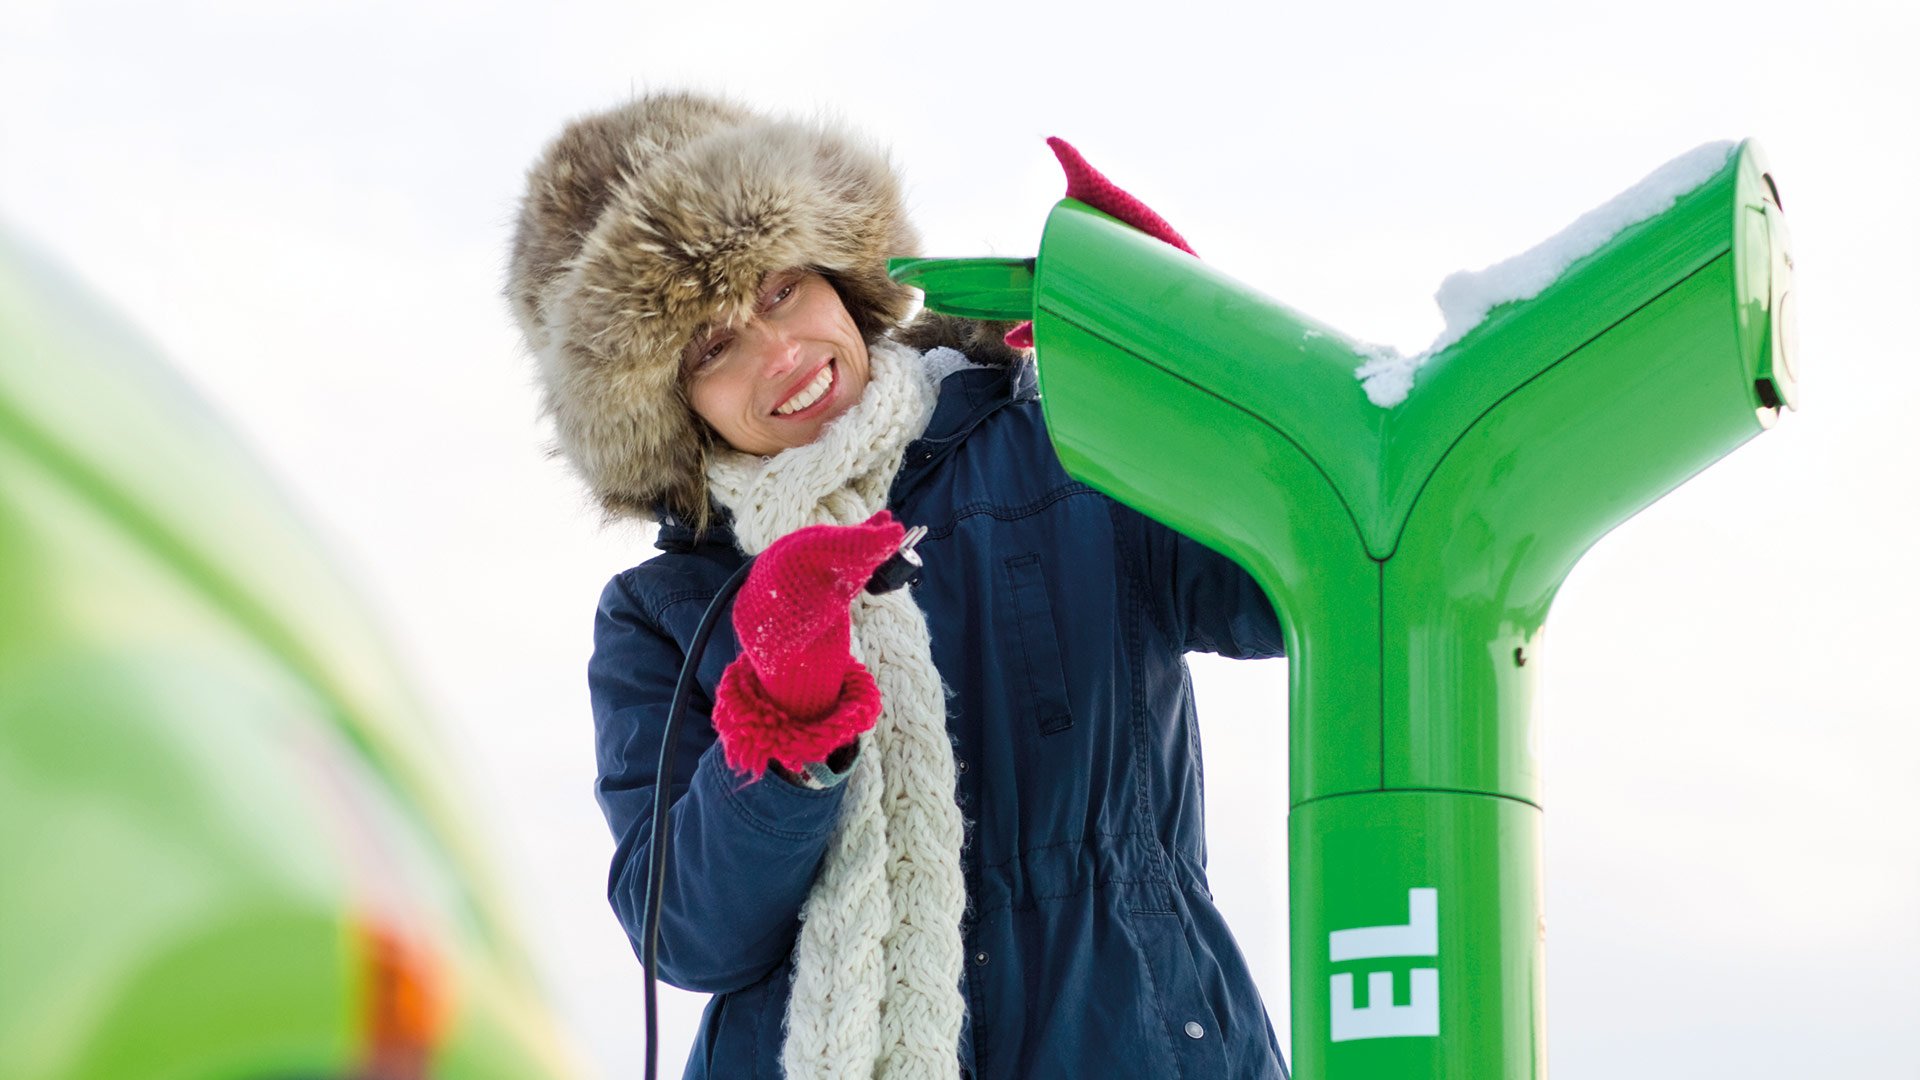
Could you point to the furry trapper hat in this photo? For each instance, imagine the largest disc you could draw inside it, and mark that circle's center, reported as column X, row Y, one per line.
column 645, row 223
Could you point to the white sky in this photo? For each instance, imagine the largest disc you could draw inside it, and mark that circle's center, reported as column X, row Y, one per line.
column 307, row 205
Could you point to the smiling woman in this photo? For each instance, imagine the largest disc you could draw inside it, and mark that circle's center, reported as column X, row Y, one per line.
column 939, row 833
column 774, row 379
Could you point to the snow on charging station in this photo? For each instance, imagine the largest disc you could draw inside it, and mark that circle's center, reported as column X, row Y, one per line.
column 1411, row 532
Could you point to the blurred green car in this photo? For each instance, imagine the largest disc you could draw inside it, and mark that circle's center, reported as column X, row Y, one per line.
column 227, row 842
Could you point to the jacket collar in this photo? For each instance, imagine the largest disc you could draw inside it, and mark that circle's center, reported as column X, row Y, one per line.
column 966, row 398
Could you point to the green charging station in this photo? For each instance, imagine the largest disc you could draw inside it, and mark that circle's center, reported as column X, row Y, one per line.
column 1412, row 554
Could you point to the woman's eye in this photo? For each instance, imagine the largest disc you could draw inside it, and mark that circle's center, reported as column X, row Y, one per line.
column 711, row 353
column 785, row 291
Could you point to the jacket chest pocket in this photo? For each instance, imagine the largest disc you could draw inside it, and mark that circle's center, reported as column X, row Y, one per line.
column 1039, row 643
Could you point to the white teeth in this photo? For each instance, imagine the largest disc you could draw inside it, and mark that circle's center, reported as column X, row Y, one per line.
column 808, row 394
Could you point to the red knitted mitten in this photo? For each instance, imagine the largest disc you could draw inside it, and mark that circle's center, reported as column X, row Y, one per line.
column 1085, row 183
column 796, row 693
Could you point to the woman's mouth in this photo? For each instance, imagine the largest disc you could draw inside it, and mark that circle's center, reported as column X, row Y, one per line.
column 811, row 396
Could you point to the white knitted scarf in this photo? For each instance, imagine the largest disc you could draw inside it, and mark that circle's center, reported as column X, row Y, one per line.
column 876, row 984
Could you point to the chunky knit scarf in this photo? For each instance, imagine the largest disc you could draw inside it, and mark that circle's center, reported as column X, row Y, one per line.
column 876, row 984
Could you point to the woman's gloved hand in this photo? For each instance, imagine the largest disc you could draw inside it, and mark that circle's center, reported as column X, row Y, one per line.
column 796, row 693
column 1090, row 186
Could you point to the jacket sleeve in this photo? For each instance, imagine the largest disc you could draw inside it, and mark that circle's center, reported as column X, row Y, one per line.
column 1208, row 601
column 742, row 855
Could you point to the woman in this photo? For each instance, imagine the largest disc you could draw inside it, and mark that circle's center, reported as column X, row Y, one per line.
column 951, row 831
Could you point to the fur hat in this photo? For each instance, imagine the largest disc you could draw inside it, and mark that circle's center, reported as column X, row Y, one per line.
column 645, row 223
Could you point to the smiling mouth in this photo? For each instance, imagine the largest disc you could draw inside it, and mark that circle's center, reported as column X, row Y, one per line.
column 809, row 395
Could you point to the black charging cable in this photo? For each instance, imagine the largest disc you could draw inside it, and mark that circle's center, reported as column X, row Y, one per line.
column 901, row 569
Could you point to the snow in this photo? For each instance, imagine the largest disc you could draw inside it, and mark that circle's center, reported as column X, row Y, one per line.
column 1465, row 297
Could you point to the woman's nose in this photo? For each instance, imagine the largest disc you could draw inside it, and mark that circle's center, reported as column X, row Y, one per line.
column 780, row 354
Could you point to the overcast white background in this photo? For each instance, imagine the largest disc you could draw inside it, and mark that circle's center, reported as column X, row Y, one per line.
column 307, row 206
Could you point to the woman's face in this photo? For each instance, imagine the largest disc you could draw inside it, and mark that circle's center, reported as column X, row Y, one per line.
column 773, row 381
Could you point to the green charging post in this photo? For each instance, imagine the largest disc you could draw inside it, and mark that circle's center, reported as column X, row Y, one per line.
column 1411, row 533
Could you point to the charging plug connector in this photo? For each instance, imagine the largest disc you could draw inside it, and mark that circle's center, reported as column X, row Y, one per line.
column 902, row 568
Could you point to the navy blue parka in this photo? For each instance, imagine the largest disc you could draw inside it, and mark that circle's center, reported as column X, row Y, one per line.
column 1059, row 622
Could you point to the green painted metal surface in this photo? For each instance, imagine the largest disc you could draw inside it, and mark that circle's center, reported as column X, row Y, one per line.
column 1411, row 554
column 218, row 795
column 992, row 289
column 1424, row 913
